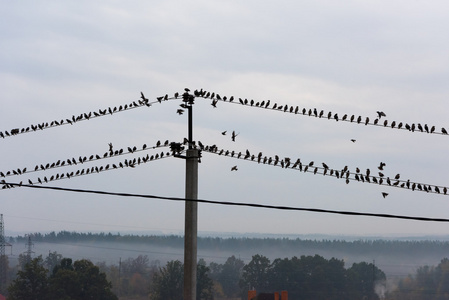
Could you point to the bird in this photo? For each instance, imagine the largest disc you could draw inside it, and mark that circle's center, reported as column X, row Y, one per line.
column 381, row 114
column 420, row 127
column 179, row 111
column 224, row 132
column 214, row 103
column 234, row 135
column 353, row 140
column 143, row 97
column 234, row 168
column 110, row 147
column 384, row 194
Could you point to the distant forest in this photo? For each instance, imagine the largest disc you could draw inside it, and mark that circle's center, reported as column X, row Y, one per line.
column 322, row 268
column 357, row 247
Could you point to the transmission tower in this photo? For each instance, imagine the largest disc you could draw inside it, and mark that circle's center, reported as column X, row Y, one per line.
column 29, row 251
column 3, row 258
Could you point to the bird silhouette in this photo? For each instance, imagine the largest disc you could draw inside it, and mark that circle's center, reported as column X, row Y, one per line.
column 234, row 135
column 384, row 194
column 381, row 114
column 353, row 140
column 420, row 127
column 234, row 168
column 224, row 132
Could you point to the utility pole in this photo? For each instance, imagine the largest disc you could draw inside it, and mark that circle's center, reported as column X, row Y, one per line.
column 191, row 207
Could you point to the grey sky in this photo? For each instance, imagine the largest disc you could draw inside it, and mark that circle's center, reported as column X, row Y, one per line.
column 59, row 59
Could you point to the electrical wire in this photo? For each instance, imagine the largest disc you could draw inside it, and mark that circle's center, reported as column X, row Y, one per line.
column 271, row 105
column 82, row 159
column 343, row 174
column 143, row 102
column 244, row 204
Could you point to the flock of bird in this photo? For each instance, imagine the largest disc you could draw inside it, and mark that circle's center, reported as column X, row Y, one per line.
column 188, row 98
column 142, row 102
column 323, row 169
column 268, row 104
column 177, row 148
column 86, row 159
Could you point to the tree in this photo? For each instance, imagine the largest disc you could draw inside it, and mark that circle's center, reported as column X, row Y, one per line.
column 31, row 282
column 229, row 277
column 364, row 278
column 52, row 260
column 204, row 284
column 81, row 280
column 427, row 283
column 167, row 284
column 255, row 273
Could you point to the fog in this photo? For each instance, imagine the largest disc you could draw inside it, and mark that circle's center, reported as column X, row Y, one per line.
column 395, row 265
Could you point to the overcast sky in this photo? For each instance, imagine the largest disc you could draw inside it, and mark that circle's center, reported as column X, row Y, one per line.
column 64, row 58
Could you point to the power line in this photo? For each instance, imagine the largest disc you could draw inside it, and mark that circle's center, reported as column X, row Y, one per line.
column 343, row 174
column 255, row 205
column 93, row 170
column 274, row 106
column 142, row 102
column 83, row 159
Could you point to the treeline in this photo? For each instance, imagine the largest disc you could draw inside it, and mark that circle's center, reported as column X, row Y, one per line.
column 429, row 282
column 305, row 277
column 358, row 247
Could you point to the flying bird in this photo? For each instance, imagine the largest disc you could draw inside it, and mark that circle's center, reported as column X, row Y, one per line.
column 353, row 140
column 384, row 194
column 224, row 132
column 234, row 168
column 381, row 114
column 143, row 97
column 234, row 135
